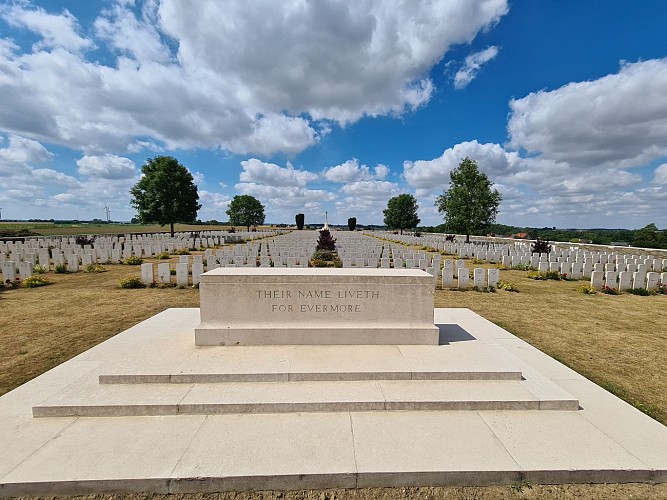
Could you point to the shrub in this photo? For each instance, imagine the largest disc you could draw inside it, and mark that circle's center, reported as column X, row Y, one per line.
column 231, row 230
column 507, row 286
column 172, row 272
column 326, row 241
column 540, row 246
column 34, row 281
column 546, row 275
column 85, row 240
column 37, row 269
column 61, row 268
column 610, row 291
column 155, row 284
column 475, row 260
column 641, row 291
column 132, row 282
column 662, row 288
column 162, row 256
column 523, row 267
column 182, row 251
column 587, row 289
column 94, row 268
column 133, row 260
column 325, row 258
column 450, row 237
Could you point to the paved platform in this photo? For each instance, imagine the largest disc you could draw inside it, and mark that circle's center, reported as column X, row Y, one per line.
column 288, row 417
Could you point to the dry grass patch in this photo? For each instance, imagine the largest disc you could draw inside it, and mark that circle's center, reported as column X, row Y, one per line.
column 618, row 341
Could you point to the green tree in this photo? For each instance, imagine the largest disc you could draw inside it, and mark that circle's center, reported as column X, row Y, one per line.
column 352, row 223
column 166, row 193
column 245, row 210
column 401, row 212
column 469, row 205
column 300, row 219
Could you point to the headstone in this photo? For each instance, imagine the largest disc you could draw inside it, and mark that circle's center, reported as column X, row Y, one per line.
column 164, row 272
column 463, row 278
column 478, row 278
column 493, row 277
column 610, row 279
column 147, row 273
column 197, row 271
column 73, row 263
column 597, row 278
column 624, row 280
column 8, row 271
column 447, row 277
column 183, row 259
column 576, row 270
column 542, row 267
column 638, row 279
column 25, row 269
column 652, row 280
column 182, row 269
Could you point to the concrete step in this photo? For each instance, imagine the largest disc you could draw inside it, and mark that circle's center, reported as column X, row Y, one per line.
column 93, row 400
column 460, row 361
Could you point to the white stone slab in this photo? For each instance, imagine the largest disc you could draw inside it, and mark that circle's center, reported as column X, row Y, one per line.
column 316, row 306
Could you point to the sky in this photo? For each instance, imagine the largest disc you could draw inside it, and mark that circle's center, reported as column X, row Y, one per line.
column 336, row 106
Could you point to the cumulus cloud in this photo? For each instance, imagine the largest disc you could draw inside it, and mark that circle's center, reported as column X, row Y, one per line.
column 617, row 121
column 56, row 30
column 471, row 66
column 351, row 171
column 23, row 151
column 107, row 166
column 259, row 172
column 433, row 175
column 246, row 77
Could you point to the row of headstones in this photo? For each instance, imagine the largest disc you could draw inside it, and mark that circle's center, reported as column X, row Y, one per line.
column 164, row 273
column 463, row 278
column 625, row 280
column 519, row 252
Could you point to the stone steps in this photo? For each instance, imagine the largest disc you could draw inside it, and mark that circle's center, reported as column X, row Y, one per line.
column 310, row 396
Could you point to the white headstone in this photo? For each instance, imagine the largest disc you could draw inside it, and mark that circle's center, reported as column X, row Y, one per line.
column 493, row 277
column 652, row 280
column 182, row 269
column 610, row 279
column 597, row 279
column 8, row 271
column 576, row 270
column 163, row 272
column 478, row 278
column 447, row 276
column 197, row 271
column 463, row 278
column 25, row 269
column 147, row 273
column 73, row 263
column 638, row 280
column 624, row 280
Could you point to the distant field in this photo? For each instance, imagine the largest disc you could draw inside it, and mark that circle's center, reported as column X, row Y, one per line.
column 51, row 229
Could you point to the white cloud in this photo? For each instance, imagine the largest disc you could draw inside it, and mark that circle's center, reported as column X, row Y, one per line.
column 371, row 190
column 471, row 66
column 247, row 77
column 433, row 175
column 23, row 151
column 351, row 171
column 55, row 30
column 660, row 175
column 107, row 166
column 617, row 121
column 259, row 172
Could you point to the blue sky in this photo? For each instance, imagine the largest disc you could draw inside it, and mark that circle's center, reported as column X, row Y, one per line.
column 337, row 105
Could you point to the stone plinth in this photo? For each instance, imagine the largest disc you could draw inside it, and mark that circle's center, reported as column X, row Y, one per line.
column 262, row 306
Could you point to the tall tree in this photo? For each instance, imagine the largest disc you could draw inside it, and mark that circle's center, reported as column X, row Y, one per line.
column 166, row 193
column 401, row 212
column 469, row 205
column 245, row 210
column 352, row 223
column 300, row 220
